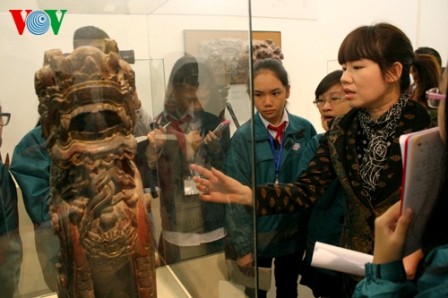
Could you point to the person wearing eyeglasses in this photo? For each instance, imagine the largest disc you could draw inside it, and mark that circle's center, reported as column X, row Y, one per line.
column 4, row 118
column 385, row 276
column 10, row 241
column 434, row 98
column 361, row 149
column 327, row 216
column 330, row 98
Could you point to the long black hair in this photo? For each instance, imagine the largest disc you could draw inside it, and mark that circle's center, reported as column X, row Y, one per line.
column 435, row 231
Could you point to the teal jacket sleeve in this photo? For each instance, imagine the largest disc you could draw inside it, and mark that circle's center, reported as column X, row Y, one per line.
column 308, row 153
column 385, row 280
column 9, row 217
column 30, row 166
column 10, row 241
column 389, row 280
column 238, row 221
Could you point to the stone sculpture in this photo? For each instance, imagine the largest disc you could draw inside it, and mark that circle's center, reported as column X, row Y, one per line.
column 98, row 207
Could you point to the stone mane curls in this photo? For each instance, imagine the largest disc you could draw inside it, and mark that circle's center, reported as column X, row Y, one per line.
column 98, row 208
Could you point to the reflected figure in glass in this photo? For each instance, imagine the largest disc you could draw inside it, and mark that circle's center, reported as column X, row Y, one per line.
column 10, row 241
column 190, row 228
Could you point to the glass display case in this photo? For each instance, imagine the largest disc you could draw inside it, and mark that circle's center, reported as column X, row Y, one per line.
column 99, row 128
column 79, row 226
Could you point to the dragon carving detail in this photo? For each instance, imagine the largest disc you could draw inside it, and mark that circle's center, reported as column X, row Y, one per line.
column 98, row 207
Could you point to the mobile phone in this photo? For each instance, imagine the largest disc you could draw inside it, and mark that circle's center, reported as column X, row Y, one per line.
column 154, row 125
column 220, row 128
column 166, row 125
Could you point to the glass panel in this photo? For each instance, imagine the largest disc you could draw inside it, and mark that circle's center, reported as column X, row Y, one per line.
column 88, row 231
column 199, row 79
column 153, row 36
column 10, row 239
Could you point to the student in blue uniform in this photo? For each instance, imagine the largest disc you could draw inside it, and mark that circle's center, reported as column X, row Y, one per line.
column 327, row 217
column 280, row 138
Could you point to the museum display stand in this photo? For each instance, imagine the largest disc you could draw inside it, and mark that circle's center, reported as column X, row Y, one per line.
column 151, row 36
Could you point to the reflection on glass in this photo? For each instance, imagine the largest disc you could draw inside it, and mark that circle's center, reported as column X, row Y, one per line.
column 190, row 227
column 10, row 240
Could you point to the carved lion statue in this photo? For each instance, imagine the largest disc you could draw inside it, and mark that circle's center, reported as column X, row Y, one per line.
column 98, row 208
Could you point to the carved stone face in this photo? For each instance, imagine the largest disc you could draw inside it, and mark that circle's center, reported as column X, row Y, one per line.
column 86, row 102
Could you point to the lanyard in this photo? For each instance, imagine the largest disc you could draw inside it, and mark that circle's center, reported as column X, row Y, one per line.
column 277, row 156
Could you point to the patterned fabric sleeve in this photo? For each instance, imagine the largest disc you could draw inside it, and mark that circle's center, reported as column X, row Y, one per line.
column 292, row 197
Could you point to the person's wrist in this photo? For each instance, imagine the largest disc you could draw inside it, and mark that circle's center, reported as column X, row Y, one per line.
column 245, row 197
column 388, row 257
column 152, row 155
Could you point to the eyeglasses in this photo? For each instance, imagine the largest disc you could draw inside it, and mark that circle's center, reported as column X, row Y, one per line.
column 433, row 98
column 5, row 118
column 334, row 99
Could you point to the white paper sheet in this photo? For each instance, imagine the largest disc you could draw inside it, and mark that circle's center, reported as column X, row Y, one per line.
column 339, row 259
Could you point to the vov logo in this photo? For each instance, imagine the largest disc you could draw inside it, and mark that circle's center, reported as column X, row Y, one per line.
column 37, row 22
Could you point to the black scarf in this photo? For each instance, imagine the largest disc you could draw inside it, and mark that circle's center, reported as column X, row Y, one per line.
column 378, row 135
